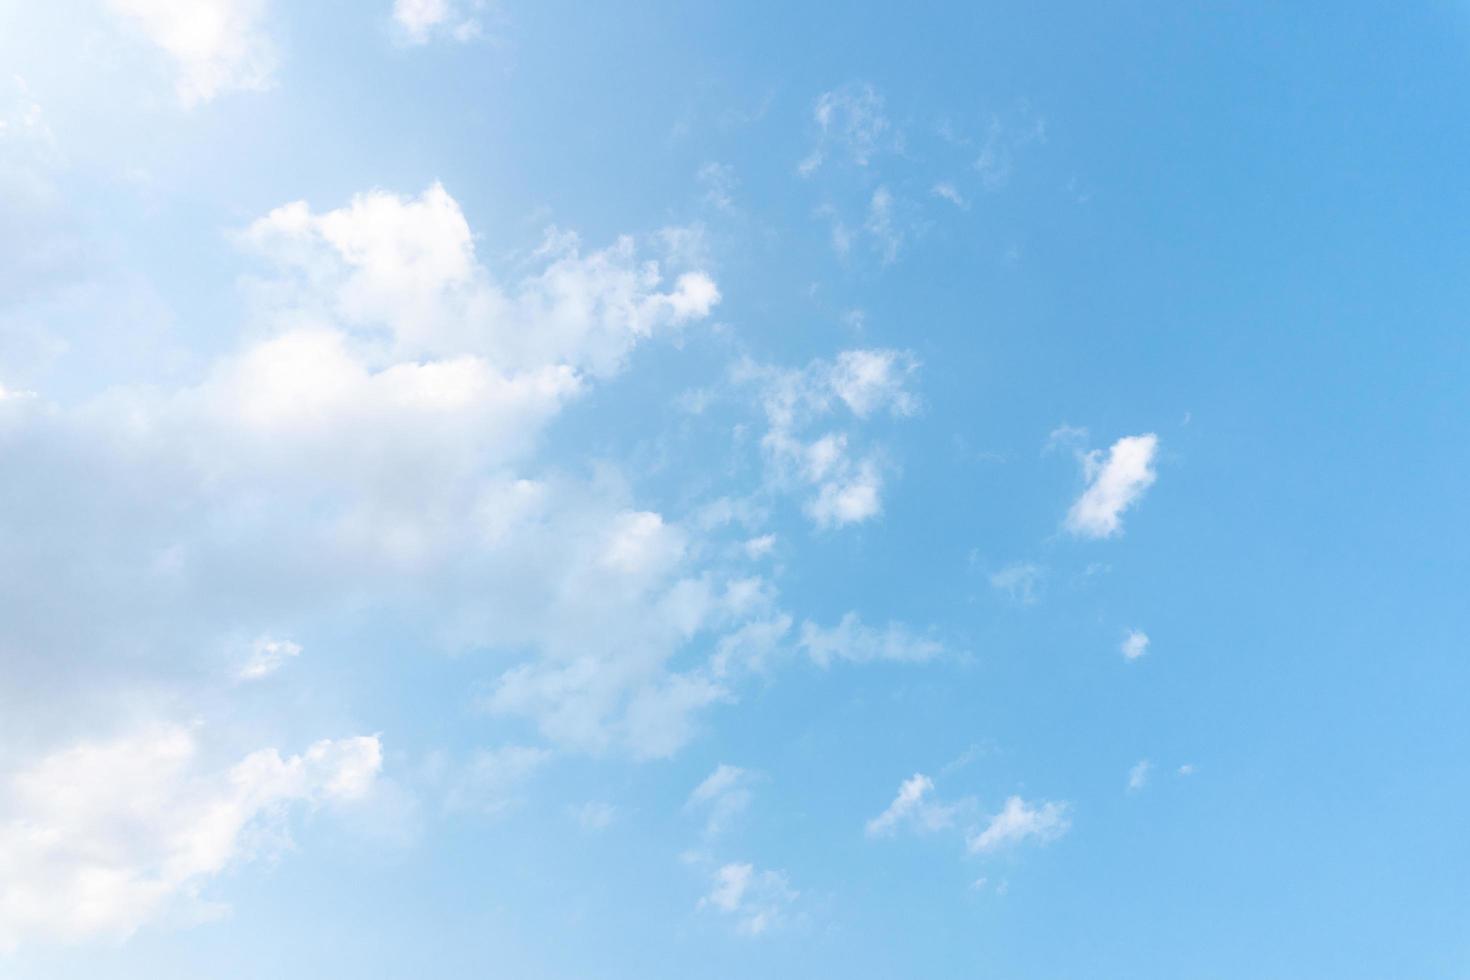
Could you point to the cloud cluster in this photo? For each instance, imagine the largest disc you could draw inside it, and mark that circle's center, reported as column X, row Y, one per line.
column 101, row 837
column 373, row 439
column 756, row 899
column 918, row 808
column 844, row 482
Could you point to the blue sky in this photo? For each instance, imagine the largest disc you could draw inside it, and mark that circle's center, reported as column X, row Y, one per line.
column 539, row 491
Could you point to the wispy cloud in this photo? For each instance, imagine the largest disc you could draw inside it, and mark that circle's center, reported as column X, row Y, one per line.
column 757, row 900
column 852, row 121
column 722, row 797
column 1019, row 821
column 914, row 806
column 1020, row 582
column 268, row 656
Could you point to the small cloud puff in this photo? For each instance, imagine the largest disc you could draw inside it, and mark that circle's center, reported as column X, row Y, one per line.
column 1134, row 645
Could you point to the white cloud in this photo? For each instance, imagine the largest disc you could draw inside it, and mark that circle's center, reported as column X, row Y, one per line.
column 1113, row 485
column 1019, row 821
column 421, row 20
column 98, row 839
column 1020, row 581
column 373, row 441
column 846, row 484
column 868, row 381
column 948, row 192
column 1135, row 644
column 753, row 646
column 267, row 656
column 1138, row 775
column 914, row 806
column 851, row 498
column 1187, row 769
column 756, row 899
column 723, row 796
column 760, row 547
column 408, row 265
column 218, row 45
column 852, row 640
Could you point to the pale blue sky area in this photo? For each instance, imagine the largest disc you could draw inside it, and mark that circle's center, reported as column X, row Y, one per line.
column 537, row 490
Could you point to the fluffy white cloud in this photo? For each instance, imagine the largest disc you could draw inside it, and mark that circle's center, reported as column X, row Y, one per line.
column 1019, row 821
column 756, row 899
column 103, row 837
column 407, row 266
column 218, row 45
column 370, row 442
column 1113, row 485
column 914, row 806
column 855, row 641
column 868, row 381
column 1135, row 644
column 1138, row 775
